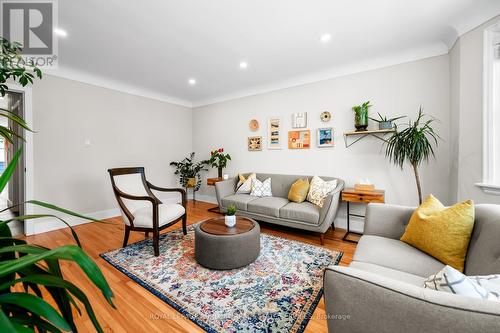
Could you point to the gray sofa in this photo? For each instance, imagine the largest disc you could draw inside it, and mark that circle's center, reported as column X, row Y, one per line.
column 381, row 290
column 277, row 209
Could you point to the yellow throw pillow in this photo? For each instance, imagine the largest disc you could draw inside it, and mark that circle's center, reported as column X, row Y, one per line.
column 441, row 232
column 298, row 190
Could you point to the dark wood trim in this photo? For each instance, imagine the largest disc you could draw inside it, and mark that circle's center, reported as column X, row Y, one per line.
column 155, row 202
column 322, row 239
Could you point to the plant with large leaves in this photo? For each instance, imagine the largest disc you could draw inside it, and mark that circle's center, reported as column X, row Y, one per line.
column 413, row 145
column 30, row 273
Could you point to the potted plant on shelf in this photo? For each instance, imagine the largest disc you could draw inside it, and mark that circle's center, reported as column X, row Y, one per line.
column 219, row 160
column 384, row 123
column 230, row 219
column 361, row 116
column 413, row 145
column 189, row 172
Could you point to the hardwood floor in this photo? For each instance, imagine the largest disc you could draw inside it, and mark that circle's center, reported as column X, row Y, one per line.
column 137, row 309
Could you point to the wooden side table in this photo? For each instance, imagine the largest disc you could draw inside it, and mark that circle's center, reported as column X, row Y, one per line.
column 211, row 182
column 351, row 195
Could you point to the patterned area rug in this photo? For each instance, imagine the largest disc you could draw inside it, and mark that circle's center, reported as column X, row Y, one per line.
column 276, row 293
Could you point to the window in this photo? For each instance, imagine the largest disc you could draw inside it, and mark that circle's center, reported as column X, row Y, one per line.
column 491, row 117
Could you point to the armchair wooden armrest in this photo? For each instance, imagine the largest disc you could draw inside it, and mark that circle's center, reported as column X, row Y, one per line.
column 173, row 189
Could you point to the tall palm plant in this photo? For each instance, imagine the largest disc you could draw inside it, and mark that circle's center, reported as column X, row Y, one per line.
column 34, row 268
column 414, row 145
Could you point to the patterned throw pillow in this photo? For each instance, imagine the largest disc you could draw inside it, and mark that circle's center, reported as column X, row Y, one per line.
column 452, row 281
column 245, row 184
column 319, row 190
column 261, row 189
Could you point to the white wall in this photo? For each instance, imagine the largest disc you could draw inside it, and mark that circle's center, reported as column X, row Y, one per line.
column 123, row 129
column 394, row 91
column 468, row 109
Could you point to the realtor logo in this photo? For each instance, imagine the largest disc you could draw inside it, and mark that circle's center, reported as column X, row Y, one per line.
column 31, row 24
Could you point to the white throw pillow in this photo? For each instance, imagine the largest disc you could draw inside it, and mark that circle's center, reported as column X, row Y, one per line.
column 261, row 189
column 245, row 187
column 319, row 190
column 452, row 281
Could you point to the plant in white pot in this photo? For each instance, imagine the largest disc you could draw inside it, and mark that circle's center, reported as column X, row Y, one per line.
column 230, row 219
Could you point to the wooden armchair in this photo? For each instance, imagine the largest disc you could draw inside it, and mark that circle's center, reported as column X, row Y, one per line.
column 134, row 194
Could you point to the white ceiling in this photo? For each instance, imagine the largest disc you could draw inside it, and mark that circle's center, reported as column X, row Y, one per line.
column 152, row 47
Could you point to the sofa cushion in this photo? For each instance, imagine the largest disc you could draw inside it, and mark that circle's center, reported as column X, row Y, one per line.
column 389, row 273
column 304, row 212
column 392, row 253
column 239, row 200
column 269, row 206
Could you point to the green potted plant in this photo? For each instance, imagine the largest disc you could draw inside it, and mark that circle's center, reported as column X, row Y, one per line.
column 219, row 160
column 361, row 116
column 230, row 218
column 189, row 171
column 413, row 145
column 384, row 123
column 46, row 302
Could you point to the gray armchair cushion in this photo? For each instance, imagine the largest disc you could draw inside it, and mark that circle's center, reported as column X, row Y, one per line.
column 397, row 255
column 239, row 200
column 375, row 303
column 269, row 206
column 304, row 211
column 389, row 273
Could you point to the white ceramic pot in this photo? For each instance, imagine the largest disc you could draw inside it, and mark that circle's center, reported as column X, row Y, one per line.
column 230, row 221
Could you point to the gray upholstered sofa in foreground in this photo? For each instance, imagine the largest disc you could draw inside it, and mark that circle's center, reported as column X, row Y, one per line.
column 381, row 290
column 277, row 209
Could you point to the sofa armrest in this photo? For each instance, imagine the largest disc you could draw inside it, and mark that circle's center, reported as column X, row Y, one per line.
column 225, row 188
column 330, row 207
column 360, row 301
column 387, row 220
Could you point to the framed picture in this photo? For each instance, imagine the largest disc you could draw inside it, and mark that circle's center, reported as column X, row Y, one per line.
column 299, row 139
column 254, row 143
column 299, row 120
column 325, row 137
column 274, row 133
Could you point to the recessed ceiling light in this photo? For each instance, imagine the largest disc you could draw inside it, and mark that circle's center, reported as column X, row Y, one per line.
column 243, row 65
column 192, row 82
column 325, row 38
column 60, row 32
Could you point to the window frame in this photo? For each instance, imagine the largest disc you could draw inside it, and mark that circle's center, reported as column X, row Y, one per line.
column 491, row 178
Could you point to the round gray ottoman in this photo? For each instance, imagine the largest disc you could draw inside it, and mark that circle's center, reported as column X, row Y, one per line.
column 217, row 246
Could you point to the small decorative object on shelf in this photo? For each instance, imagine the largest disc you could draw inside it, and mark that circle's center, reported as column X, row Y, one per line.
column 325, row 116
column 219, row 160
column 230, row 219
column 384, row 123
column 254, row 125
column 361, row 116
column 364, row 185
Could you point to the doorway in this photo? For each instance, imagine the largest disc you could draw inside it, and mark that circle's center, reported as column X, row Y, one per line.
column 13, row 194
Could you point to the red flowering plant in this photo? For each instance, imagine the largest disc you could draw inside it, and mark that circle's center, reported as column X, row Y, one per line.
column 219, row 160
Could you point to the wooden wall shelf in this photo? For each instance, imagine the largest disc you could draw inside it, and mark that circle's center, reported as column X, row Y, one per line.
column 379, row 134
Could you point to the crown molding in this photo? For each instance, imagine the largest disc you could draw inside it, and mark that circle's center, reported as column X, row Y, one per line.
column 406, row 56
column 99, row 81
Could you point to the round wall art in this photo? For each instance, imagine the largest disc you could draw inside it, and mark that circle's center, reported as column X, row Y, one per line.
column 325, row 116
column 254, row 125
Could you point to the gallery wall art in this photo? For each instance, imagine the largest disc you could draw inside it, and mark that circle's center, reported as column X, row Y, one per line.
column 274, row 133
column 254, row 143
column 299, row 120
column 299, row 139
column 325, row 137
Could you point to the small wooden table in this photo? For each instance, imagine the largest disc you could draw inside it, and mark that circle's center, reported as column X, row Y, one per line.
column 351, row 195
column 217, row 226
column 211, row 182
